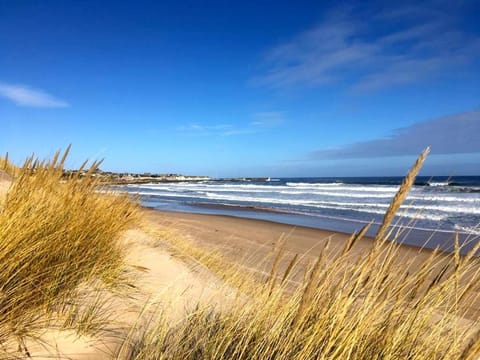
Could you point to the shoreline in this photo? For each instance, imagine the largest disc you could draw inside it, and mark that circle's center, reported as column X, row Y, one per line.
column 252, row 244
column 248, row 234
column 409, row 236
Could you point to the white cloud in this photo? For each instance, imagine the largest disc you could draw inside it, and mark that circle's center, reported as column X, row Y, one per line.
column 26, row 96
column 372, row 49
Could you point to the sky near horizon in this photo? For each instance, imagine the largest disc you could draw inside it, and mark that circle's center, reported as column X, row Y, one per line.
column 260, row 88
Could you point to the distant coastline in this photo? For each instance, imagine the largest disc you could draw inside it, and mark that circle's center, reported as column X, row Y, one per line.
column 116, row 178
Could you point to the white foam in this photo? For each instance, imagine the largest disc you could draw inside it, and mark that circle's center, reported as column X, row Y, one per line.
column 467, row 198
column 361, row 207
column 472, row 230
column 318, row 188
column 341, row 186
column 271, row 189
column 340, row 203
column 158, row 194
column 339, row 194
column 352, row 192
column 422, row 202
column 353, row 205
column 441, row 183
column 303, row 184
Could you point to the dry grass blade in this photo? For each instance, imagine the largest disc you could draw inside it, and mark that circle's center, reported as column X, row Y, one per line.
column 401, row 194
column 355, row 238
column 310, row 287
column 472, row 350
column 289, row 269
column 55, row 235
column 276, row 263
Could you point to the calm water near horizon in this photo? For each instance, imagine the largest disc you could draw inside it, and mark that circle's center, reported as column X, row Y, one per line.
column 435, row 205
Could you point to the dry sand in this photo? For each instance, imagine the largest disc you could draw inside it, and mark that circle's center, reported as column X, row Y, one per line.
column 160, row 278
column 162, row 281
column 5, row 181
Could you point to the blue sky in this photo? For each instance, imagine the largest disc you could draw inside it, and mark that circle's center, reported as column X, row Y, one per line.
column 260, row 88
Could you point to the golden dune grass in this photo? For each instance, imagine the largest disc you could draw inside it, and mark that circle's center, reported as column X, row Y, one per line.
column 56, row 236
column 372, row 306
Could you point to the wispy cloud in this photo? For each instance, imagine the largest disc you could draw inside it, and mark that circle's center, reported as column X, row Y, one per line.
column 204, row 129
column 216, row 130
column 23, row 95
column 241, row 131
column 268, row 119
column 261, row 122
column 368, row 49
column 453, row 134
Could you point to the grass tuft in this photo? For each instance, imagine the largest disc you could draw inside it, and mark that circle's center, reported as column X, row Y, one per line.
column 59, row 239
column 57, row 235
column 370, row 305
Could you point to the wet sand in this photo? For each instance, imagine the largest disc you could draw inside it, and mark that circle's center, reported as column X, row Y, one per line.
column 250, row 242
column 250, row 234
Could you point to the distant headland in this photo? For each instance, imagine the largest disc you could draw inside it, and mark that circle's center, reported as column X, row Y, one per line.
column 143, row 178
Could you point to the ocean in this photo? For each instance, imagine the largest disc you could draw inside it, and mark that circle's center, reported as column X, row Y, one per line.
column 435, row 208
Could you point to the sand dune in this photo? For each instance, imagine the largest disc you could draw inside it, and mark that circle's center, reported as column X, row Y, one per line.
column 160, row 279
column 166, row 280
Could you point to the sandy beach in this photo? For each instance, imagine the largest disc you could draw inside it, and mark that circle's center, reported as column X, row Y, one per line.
column 165, row 273
column 250, row 242
column 239, row 236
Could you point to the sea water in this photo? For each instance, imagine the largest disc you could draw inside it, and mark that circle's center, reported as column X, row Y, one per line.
column 440, row 205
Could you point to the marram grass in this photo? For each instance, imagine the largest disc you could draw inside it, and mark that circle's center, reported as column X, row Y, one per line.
column 377, row 305
column 57, row 235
